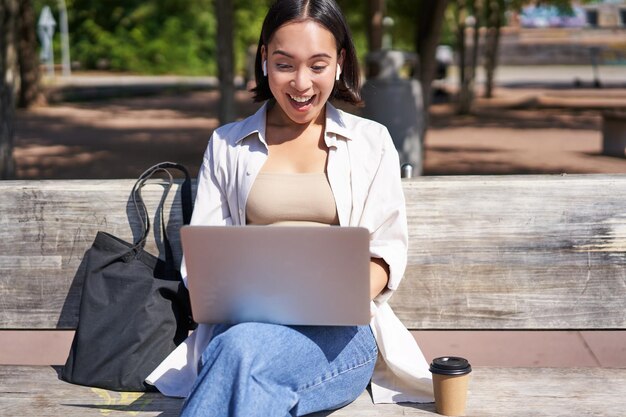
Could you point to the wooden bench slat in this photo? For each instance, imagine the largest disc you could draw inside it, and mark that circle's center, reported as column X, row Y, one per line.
column 25, row 390
column 48, row 225
column 532, row 252
column 473, row 297
column 37, row 391
column 519, row 252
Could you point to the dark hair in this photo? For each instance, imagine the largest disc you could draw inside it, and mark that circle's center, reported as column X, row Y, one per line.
column 328, row 14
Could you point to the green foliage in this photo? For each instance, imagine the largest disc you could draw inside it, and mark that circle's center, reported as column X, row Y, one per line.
column 179, row 36
column 150, row 37
column 168, row 36
column 249, row 15
column 403, row 13
column 355, row 12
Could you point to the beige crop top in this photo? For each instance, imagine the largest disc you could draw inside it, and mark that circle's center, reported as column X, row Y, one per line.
column 298, row 199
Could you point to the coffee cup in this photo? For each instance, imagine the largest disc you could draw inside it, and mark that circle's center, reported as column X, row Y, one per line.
column 450, row 381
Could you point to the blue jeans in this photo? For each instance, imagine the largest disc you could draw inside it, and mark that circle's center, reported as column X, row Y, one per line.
column 269, row 370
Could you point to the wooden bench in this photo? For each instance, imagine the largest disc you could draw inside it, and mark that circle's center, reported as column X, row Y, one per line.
column 531, row 252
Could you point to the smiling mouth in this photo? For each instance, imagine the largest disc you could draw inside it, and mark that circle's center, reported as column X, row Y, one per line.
column 301, row 100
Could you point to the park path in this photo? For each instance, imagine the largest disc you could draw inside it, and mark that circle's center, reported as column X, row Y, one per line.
column 118, row 138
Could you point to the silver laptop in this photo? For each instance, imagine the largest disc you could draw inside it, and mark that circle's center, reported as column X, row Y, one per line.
column 295, row 275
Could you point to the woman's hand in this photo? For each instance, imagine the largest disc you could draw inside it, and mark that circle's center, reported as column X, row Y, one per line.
column 379, row 276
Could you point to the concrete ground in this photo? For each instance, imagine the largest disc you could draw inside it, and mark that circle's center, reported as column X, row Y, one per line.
column 540, row 122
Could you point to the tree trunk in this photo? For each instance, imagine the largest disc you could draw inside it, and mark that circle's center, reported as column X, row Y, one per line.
column 375, row 14
column 467, row 66
column 225, row 59
column 27, row 55
column 8, row 71
column 476, row 5
column 430, row 19
column 494, row 14
column 376, row 11
column 463, row 97
column 429, row 23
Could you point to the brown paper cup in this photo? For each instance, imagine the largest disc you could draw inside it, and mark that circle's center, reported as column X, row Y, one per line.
column 450, row 382
column 450, row 394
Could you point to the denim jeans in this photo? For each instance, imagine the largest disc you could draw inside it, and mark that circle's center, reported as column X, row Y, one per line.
column 269, row 370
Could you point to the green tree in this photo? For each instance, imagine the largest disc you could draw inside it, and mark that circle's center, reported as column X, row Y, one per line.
column 9, row 11
column 494, row 18
column 225, row 59
column 150, row 36
column 249, row 15
column 430, row 18
column 28, row 60
column 490, row 15
column 493, row 12
column 418, row 27
column 376, row 13
column 467, row 12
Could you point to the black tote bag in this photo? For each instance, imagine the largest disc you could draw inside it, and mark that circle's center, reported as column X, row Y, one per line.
column 134, row 308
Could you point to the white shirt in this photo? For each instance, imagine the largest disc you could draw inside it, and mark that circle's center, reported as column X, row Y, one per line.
column 364, row 175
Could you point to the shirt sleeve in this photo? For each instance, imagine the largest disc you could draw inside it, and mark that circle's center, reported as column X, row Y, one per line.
column 211, row 204
column 384, row 214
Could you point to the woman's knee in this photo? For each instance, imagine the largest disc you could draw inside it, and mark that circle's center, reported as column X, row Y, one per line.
column 336, row 392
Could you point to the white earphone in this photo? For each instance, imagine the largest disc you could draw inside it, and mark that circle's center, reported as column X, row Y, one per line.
column 264, row 68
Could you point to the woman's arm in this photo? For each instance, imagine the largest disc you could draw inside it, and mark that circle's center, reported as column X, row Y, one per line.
column 384, row 215
column 211, row 204
column 379, row 276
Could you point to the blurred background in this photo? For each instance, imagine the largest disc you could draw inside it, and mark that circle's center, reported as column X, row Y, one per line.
column 104, row 89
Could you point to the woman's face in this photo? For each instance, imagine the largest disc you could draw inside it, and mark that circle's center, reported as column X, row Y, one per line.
column 301, row 68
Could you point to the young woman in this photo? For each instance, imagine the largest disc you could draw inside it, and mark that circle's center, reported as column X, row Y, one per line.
column 300, row 160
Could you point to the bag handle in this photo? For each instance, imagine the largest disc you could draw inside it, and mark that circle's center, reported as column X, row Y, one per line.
column 142, row 212
column 139, row 203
